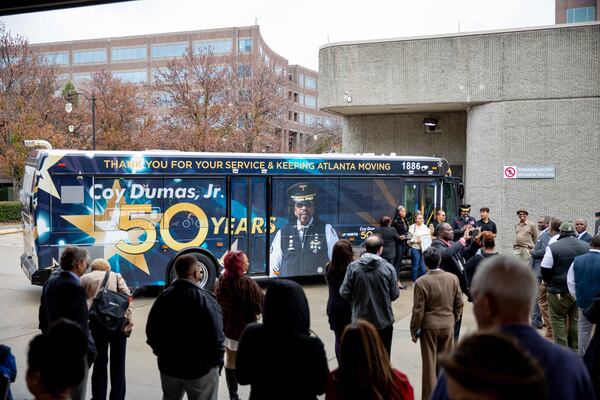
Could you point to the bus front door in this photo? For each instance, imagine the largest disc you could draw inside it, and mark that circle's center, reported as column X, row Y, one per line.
column 249, row 221
column 421, row 196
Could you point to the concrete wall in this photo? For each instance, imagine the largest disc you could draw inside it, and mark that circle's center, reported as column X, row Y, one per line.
column 565, row 133
column 516, row 65
column 405, row 134
column 531, row 97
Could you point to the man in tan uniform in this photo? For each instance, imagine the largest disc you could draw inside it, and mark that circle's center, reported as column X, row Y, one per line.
column 526, row 236
column 437, row 306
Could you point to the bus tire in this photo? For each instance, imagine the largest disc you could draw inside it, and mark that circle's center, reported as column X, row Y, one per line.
column 208, row 271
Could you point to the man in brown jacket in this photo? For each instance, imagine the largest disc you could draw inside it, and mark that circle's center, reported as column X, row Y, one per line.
column 437, row 306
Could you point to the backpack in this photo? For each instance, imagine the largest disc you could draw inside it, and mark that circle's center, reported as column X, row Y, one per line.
column 108, row 308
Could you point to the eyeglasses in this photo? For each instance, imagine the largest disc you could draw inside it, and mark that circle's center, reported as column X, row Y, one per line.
column 307, row 203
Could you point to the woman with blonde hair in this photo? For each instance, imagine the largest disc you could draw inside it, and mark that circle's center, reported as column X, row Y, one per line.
column 364, row 370
column 419, row 232
column 103, row 338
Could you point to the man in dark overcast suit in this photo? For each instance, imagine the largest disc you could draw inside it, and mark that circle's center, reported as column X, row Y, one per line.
column 63, row 297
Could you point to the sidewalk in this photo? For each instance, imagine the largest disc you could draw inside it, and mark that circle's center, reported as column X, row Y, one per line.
column 8, row 228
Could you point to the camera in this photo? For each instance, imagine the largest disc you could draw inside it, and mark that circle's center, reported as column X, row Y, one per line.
column 475, row 232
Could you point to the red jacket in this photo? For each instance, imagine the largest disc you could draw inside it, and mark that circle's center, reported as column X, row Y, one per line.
column 400, row 382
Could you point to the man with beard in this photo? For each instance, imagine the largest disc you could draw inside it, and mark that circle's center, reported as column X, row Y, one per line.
column 460, row 224
column 303, row 246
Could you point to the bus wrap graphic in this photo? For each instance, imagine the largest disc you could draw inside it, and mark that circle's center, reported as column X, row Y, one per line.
column 140, row 210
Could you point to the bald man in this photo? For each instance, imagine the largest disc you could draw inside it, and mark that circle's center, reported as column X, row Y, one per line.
column 504, row 290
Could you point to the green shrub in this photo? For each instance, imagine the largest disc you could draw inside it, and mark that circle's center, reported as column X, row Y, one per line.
column 10, row 211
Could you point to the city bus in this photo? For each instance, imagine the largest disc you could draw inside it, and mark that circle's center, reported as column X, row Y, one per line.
column 142, row 210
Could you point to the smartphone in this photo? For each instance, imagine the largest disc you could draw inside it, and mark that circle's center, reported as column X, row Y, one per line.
column 418, row 333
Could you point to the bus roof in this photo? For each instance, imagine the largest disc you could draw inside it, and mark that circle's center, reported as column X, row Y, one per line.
column 157, row 162
column 177, row 153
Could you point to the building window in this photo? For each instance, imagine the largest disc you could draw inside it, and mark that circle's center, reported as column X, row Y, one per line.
column 220, row 46
column 89, row 56
column 164, row 99
column 309, row 119
column 310, row 83
column 169, row 50
column 129, row 53
column 243, row 70
column 301, row 118
column 310, row 101
column 245, row 45
column 301, row 101
column 581, row 14
column 83, row 76
column 57, row 58
column 300, row 79
column 131, row 76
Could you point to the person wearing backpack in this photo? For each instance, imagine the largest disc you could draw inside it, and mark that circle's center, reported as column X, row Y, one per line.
column 107, row 334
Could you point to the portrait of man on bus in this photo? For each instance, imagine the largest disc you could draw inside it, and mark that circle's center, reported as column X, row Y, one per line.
column 303, row 246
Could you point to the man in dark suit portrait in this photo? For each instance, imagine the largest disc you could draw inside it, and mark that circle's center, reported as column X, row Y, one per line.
column 63, row 297
column 581, row 229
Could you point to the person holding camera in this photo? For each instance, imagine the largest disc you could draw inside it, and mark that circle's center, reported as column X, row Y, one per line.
column 454, row 257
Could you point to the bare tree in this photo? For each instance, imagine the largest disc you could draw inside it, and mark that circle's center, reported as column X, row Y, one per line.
column 122, row 113
column 192, row 90
column 29, row 107
column 324, row 138
column 259, row 104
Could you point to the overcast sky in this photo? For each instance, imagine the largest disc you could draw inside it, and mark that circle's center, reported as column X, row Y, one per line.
column 293, row 29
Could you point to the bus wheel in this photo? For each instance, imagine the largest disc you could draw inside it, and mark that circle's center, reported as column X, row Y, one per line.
column 208, row 271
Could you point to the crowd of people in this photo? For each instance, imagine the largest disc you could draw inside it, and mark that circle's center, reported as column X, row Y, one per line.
column 551, row 281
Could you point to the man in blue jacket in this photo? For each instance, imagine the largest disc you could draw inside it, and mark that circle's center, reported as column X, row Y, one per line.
column 504, row 290
column 583, row 280
column 185, row 332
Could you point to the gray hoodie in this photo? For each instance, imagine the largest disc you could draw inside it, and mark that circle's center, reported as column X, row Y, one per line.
column 370, row 285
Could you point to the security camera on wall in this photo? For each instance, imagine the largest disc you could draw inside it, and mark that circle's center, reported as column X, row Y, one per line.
column 432, row 125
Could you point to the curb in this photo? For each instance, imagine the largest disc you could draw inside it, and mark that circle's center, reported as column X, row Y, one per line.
column 10, row 231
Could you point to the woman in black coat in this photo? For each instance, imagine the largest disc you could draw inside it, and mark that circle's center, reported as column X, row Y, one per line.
column 279, row 358
column 390, row 238
column 339, row 310
column 401, row 224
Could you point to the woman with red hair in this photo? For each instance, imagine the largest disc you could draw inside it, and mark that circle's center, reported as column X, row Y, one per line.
column 241, row 301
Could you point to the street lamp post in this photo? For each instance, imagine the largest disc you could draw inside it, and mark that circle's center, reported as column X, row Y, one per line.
column 69, row 108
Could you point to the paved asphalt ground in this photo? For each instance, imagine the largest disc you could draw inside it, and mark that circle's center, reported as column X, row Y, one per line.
column 19, row 303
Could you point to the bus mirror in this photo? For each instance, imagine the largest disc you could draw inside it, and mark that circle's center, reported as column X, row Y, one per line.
column 461, row 190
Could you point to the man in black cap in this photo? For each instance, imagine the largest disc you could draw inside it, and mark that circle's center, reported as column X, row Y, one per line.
column 526, row 235
column 459, row 224
column 555, row 267
column 303, row 246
